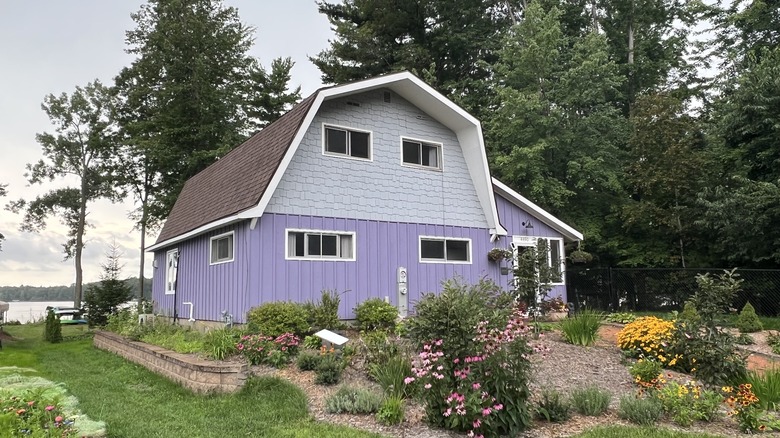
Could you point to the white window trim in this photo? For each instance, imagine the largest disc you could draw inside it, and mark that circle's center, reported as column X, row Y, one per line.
column 233, row 247
column 420, row 166
column 525, row 243
column 287, row 256
column 444, row 261
column 167, row 271
column 347, row 156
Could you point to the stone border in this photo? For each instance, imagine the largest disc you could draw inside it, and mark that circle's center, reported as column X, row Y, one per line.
column 193, row 373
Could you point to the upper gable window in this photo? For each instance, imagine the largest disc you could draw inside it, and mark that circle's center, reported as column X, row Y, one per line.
column 421, row 153
column 346, row 142
column 221, row 248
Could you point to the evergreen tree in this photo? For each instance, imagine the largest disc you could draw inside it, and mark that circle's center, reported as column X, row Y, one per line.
column 451, row 44
column 558, row 133
column 52, row 331
column 104, row 299
column 189, row 96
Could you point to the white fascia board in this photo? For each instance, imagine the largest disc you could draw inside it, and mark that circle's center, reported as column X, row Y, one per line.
column 200, row 230
column 537, row 212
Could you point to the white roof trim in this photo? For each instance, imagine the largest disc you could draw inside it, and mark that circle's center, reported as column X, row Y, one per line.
column 418, row 93
column 536, row 211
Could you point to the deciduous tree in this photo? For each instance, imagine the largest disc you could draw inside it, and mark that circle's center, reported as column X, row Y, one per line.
column 82, row 150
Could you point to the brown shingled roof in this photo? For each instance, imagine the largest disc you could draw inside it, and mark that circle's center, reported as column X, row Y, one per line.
column 238, row 180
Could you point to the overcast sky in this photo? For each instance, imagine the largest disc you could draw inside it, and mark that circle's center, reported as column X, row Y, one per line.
column 51, row 46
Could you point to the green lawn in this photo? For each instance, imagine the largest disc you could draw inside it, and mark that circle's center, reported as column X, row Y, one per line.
column 137, row 403
column 638, row 432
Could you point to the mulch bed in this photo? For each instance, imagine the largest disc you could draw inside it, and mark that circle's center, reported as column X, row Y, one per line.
column 565, row 367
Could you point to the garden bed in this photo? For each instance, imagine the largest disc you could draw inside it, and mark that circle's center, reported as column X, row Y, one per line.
column 190, row 371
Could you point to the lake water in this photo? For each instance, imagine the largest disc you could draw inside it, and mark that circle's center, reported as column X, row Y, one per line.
column 28, row 311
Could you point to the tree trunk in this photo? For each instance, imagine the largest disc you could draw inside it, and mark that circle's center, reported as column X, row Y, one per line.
column 80, row 244
column 141, row 264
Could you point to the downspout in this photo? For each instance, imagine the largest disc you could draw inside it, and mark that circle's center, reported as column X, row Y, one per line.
column 176, row 288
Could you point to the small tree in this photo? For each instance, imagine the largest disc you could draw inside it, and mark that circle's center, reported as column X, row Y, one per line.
column 53, row 331
column 748, row 321
column 104, row 299
column 714, row 296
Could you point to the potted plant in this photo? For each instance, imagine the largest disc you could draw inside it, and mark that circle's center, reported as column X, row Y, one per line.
column 554, row 309
column 498, row 254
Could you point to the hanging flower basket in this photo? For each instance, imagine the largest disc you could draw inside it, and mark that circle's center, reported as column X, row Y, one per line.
column 580, row 256
column 498, row 254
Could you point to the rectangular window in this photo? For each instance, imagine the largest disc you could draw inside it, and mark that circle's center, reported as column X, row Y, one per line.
column 420, row 153
column 221, row 248
column 440, row 249
column 171, row 268
column 347, row 142
column 320, row 245
column 555, row 260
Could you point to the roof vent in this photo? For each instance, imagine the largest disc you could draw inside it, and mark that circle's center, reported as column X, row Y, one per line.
column 387, row 96
column 349, row 102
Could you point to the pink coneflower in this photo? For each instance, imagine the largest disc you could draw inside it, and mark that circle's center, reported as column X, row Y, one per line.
column 50, row 408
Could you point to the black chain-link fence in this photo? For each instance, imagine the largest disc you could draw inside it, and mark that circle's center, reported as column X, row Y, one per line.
column 664, row 290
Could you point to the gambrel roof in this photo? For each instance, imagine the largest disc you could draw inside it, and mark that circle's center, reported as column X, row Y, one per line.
column 240, row 185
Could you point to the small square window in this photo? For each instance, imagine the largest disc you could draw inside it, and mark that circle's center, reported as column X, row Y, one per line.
column 432, row 249
column 222, row 248
column 347, row 142
column 421, row 153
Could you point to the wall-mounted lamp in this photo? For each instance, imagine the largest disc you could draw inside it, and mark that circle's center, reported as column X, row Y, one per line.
column 154, row 264
column 528, row 224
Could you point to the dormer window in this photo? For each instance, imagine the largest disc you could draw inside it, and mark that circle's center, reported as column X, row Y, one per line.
column 421, row 153
column 346, row 142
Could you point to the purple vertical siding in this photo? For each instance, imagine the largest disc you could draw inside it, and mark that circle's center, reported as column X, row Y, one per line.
column 512, row 218
column 211, row 288
column 381, row 248
column 260, row 272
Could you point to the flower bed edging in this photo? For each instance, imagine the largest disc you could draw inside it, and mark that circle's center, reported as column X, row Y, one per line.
column 193, row 373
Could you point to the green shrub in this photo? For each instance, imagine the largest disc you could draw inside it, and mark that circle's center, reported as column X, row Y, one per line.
column 221, row 343
column 620, row 317
column 325, row 313
column 391, row 374
column 452, row 314
column 391, row 412
column 308, row 360
column 747, row 321
column 53, row 330
column 582, row 328
column 766, row 386
column 773, row 340
column 642, row 411
column 688, row 402
column 353, row 401
column 375, row 314
column 274, row 351
column 378, row 347
column 744, row 339
column 590, row 400
column 312, row 342
column 689, row 313
column 705, row 346
column 329, row 369
column 552, row 406
column 277, row 318
column 172, row 336
column 645, row 370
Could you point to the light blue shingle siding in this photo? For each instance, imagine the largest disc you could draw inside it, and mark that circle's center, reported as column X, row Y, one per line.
column 383, row 189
